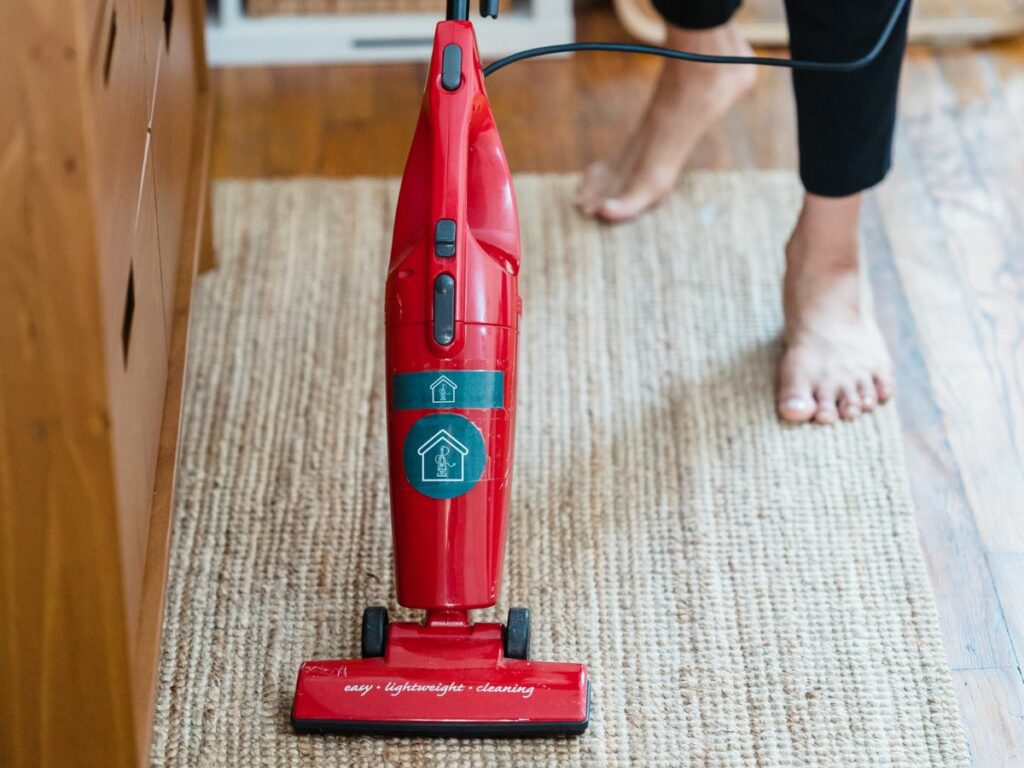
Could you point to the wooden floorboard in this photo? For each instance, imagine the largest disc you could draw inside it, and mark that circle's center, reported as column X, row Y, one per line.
column 945, row 240
column 1008, row 575
column 970, row 612
column 961, row 145
column 993, row 714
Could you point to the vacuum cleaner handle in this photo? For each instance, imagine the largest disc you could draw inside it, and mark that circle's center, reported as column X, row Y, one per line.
column 458, row 10
column 456, row 210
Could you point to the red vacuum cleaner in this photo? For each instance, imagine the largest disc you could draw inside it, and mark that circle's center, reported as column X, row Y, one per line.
column 452, row 312
column 452, row 316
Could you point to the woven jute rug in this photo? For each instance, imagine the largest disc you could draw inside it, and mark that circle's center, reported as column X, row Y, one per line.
column 745, row 594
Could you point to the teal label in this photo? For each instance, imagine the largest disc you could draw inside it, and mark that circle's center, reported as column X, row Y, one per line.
column 444, row 455
column 448, row 389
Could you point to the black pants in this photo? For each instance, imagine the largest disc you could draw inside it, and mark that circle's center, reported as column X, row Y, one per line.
column 844, row 120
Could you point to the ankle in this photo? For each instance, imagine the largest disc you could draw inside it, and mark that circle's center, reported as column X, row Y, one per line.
column 718, row 41
column 715, row 39
column 811, row 254
column 823, row 265
column 826, row 235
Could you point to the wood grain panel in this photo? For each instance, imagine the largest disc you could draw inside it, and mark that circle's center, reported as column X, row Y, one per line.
column 82, row 374
column 154, row 35
column 137, row 374
column 117, row 90
column 63, row 649
column 196, row 232
column 173, row 123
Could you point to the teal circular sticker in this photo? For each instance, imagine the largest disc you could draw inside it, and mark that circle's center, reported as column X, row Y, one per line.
column 444, row 455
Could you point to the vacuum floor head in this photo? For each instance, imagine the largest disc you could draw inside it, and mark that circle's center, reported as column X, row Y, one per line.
column 442, row 681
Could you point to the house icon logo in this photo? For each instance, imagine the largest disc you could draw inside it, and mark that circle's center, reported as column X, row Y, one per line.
column 442, row 391
column 442, row 459
column 444, row 454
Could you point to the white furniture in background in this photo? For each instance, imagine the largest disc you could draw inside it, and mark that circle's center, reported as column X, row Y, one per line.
column 235, row 39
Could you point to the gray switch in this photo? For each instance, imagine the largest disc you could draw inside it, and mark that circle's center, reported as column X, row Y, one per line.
column 451, row 67
column 444, row 309
column 444, row 238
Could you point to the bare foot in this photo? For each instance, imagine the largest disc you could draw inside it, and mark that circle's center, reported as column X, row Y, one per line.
column 688, row 99
column 835, row 364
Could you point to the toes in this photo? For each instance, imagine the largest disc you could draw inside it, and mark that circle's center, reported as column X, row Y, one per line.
column 604, row 178
column 588, row 206
column 868, row 395
column 638, row 198
column 850, row 404
column 796, row 401
column 651, row 181
column 624, row 207
column 797, row 408
column 885, row 387
column 826, row 411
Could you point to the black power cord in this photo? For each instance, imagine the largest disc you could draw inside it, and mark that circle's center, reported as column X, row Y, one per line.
column 669, row 53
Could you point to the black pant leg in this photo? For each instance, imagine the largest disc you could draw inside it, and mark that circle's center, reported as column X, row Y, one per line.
column 845, row 120
column 696, row 14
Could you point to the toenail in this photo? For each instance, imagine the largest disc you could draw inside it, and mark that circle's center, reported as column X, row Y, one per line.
column 796, row 404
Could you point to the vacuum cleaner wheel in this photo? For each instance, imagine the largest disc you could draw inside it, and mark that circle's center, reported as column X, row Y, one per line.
column 375, row 631
column 517, row 634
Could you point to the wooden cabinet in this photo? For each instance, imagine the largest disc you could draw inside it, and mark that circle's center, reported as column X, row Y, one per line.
column 105, row 141
column 115, row 89
column 173, row 115
column 137, row 376
column 157, row 15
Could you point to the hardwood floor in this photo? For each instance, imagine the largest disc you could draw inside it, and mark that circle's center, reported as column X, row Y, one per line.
column 945, row 238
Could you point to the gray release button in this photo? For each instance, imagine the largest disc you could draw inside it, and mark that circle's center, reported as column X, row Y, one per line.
column 444, row 309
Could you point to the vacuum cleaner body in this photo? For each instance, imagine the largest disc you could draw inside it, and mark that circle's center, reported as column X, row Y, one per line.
column 452, row 314
column 452, row 310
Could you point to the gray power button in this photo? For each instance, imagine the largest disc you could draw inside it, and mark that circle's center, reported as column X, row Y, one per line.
column 451, row 67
